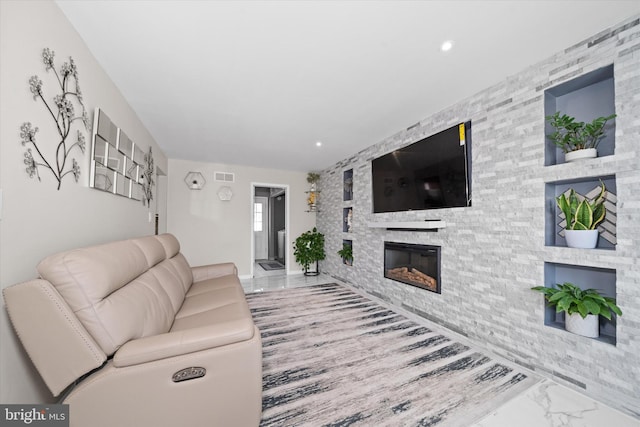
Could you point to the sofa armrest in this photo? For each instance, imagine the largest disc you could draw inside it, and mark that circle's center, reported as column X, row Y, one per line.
column 59, row 346
column 211, row 271
column 176, row 343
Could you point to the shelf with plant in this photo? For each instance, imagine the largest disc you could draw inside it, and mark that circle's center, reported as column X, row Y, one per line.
column 346, row 253
column 572, row 289
column 579, row 207
column 577, row 140
column 580, row 117
column 313, row 193
column 347, row 219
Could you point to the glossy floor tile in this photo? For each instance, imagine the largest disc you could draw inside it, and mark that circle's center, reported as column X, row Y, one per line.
column 550, row 404
column 546, row 404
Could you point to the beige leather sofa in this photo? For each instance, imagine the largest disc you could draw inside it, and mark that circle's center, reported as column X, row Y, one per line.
column 128, row 334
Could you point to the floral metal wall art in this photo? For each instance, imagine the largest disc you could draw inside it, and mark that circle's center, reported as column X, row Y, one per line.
column 148, row 182
column 63, row 113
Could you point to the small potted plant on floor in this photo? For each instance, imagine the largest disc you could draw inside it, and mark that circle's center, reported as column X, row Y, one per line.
column 582, row 307
column 582, row 217
column 578, row 140
column 346, row 253
column 308, row 249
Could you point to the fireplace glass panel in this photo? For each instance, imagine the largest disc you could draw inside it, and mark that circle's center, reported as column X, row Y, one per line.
column 416, row 265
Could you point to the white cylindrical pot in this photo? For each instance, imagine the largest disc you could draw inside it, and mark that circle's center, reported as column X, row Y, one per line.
column 587, row 327
column 583, row 239
column 587, row 153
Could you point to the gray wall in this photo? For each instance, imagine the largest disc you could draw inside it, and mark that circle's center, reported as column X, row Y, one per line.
column 38, row 220
column 494, row 251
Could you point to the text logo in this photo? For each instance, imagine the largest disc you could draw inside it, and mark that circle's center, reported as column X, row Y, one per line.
column 34, row 415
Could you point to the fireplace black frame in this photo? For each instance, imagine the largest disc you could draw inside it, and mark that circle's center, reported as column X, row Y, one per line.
column 432, row 250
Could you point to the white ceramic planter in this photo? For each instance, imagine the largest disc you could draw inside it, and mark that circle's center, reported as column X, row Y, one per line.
column 587, row 327
column 587, row 153
column 583, row 239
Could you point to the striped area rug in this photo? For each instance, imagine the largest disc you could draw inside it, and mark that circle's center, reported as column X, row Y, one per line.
column 332, row 357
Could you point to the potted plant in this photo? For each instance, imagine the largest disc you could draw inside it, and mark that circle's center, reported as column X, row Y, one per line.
column 309, row 248
column 346, row 253
column 578, row 140
column 582, row 217
column 582, row 307
column 313, row 177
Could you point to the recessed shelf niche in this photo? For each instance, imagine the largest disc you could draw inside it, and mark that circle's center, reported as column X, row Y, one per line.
column 586, row 97
column 347, row 184
column 602, row 279
column 554, row 230
column 347, row 219
column 349, row 243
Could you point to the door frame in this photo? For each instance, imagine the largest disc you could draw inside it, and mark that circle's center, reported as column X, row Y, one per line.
column 252, row 193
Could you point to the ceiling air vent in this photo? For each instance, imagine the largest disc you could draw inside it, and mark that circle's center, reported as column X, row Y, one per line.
column 224, row 177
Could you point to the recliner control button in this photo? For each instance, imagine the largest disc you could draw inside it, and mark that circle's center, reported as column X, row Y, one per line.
column 188, row 374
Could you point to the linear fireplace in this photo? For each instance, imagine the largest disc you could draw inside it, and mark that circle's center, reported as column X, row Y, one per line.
column 416, row 265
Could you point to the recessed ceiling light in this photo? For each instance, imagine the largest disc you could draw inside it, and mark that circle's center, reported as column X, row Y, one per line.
column 318, row 143
column 446, row 46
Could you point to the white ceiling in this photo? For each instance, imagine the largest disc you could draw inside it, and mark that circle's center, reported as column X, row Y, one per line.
column 260, row 82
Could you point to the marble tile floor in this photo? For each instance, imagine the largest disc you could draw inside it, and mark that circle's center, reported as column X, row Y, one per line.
column 261, row 272
column 546, row 404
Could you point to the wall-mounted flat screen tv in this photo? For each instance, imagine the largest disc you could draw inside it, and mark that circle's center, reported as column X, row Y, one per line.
column 432, row 173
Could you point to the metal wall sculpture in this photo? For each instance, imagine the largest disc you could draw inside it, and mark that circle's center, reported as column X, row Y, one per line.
column 63, row 112
column 147, row 178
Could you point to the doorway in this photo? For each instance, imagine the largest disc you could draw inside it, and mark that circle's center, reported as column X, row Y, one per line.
column 269, row 224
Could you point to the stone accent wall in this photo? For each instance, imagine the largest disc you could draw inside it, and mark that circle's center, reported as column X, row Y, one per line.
column 494, row 251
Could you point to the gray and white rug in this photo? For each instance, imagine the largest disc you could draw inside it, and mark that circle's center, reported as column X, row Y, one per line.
column 332, row 357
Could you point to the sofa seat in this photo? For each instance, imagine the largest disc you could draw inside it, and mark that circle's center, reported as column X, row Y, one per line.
column 128, row 334
column 214, row 306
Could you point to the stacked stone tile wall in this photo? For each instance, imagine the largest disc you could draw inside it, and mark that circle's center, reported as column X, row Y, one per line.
column 494, row 251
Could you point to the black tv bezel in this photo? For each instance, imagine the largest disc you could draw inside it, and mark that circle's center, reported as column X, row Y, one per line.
column 467, row 166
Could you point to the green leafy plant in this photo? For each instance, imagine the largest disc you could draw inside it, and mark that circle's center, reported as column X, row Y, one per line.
column 309, row 248
column 346, row 253
column 579, row 212
column 571, row 135
column 313, row 177
column 571, row 299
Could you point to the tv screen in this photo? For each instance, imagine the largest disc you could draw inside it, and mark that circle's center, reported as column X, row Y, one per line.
column 432, row 173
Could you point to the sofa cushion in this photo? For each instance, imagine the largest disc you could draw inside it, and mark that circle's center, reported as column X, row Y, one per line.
column 170, row 244
column 217, row 305
column 85, row 276
column 152, row 249
column 213, row 283
column 213, row 299
column 92, row 281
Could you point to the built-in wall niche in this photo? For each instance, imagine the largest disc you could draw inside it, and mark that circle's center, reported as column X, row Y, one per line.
column 347, row 185
column 347, row 219
column 587, row 187
column 586, row 97
column 348, row 244
column 602, row 279
column 117, row 163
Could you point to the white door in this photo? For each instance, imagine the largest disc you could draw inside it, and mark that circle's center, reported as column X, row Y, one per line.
column 260, row 227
